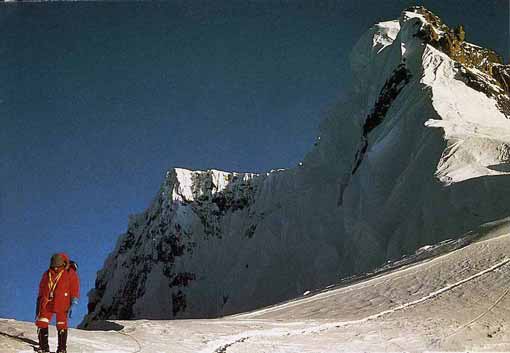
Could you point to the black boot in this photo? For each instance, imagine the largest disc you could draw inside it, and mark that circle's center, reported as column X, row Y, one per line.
column 42, row 334
column 62, row 341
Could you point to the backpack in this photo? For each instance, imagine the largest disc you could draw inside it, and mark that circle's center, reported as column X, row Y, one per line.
column 73, row 265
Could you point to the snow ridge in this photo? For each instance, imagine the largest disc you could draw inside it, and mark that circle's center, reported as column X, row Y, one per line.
column 419, row 153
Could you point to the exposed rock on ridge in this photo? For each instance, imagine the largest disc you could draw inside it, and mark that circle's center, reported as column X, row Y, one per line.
column 452, row 43
column 496, row 82
column 389, row 93
column 205, row 195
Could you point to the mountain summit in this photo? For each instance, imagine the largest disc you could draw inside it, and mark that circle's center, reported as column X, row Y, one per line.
column 419, row 153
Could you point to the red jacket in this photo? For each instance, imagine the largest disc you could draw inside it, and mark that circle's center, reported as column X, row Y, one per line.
column 65, row 285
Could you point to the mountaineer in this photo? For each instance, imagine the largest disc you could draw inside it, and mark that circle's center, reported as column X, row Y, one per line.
column 59, row 291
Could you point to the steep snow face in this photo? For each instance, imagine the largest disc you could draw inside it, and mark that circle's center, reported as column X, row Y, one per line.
column 369, row 57
column 476, row 130
column 417, row 153
column 411, row 183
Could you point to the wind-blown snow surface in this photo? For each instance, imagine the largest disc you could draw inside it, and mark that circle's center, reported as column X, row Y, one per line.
column 458, row 301
column 416, row 155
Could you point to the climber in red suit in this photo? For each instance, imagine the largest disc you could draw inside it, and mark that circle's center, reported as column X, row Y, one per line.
column 59, row 290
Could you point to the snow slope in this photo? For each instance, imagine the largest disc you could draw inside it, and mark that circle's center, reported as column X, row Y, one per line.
column 457, row 301
column 418, row 153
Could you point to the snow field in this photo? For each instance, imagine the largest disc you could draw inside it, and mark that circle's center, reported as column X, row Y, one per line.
column 421, row 307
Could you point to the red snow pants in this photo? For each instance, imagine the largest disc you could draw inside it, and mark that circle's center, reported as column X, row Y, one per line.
column 44, row 318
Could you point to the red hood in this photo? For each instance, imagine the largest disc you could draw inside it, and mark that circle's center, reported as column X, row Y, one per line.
column 65, row 257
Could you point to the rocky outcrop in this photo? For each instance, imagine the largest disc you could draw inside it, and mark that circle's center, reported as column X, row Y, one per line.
column 158, row 238
column 501, row 74
column 451, row 41
column 392, row 87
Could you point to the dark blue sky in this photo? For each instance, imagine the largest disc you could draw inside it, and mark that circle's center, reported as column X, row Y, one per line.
column 98, row 100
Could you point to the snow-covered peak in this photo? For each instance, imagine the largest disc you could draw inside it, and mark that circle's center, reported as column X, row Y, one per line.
column 420, row 152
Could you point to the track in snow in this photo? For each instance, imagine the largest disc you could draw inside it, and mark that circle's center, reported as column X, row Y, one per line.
column 228, row 342
column 20, row 338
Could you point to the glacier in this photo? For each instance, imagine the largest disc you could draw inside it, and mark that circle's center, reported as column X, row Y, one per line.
column 417, row 154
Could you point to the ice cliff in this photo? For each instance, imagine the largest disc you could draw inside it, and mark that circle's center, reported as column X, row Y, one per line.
column 420, row 151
